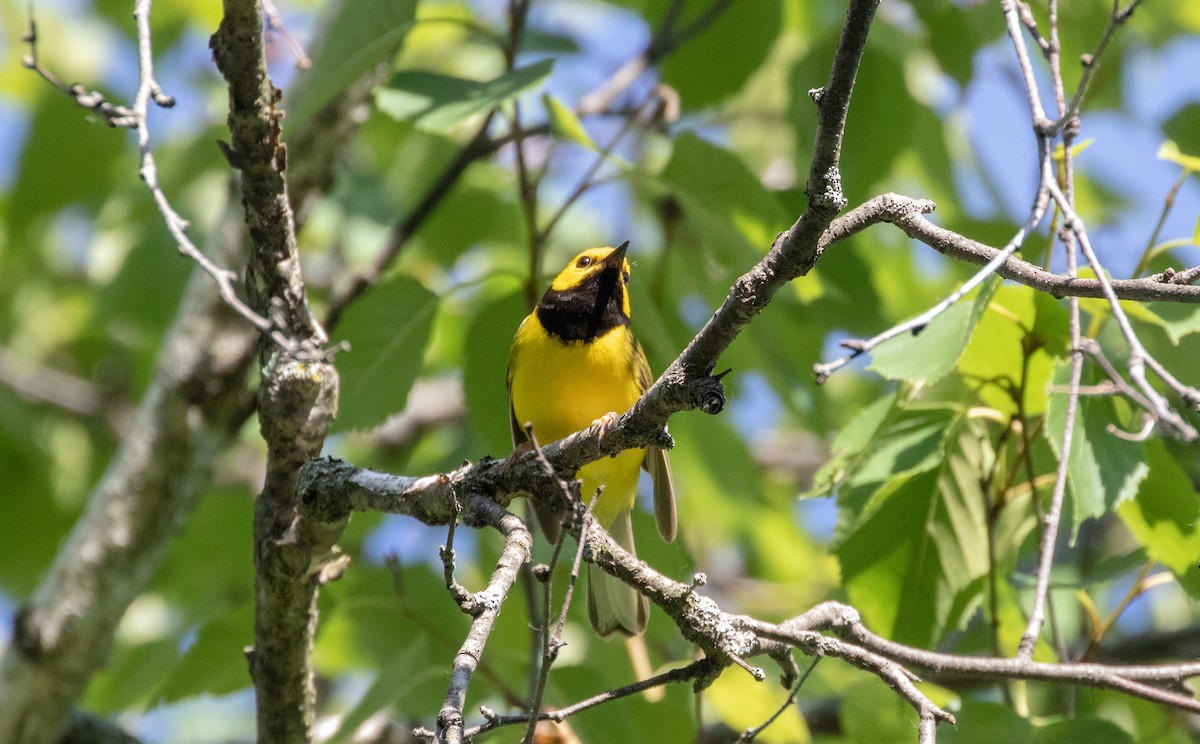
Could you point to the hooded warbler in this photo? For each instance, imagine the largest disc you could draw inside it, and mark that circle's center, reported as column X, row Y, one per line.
column 575, row 361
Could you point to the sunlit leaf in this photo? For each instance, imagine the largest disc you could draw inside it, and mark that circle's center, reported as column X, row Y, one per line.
column 1165, row 516
column 742, row 703
column 914, row 559
column 388, row 329
column 1169, row 151
column 565, row 124
column 1075, row 149
column 437, row 102
column 1177, row 318
column 928, row 356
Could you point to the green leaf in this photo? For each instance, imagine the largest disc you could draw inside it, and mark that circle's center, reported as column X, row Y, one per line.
column 714, row 65
column 728, row 209
column 1183, row 127
column 849, row 442
column 393, row 686
column 565, row 125
column 437, row 102
column 363, row 34
column 485, row 367
column 910, row 440
column 61, row 140
column 741, row 702
column 1165, row 515
column 1176, row 318
column 1075, row 149
column 1103, row 469
column 1091, row 730
column 216, row 662
column 388, row 329
column 915, row 557
column 987, row 723
column 871, row 713
column 928, row 356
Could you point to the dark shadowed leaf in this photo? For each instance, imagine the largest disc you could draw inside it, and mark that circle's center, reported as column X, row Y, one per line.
column 1075, row 730
column 986, row 723
column 715, row 64
column 364, row 33
column 485, row 367
column 216, row 661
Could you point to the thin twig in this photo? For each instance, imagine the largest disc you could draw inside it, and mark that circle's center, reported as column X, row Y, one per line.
column 1090, row 62
column 136, row 118
column 1049, row 522
column 518, row 544
column 694, row 671
column 275, row 23
column 1139, row 358
column 752, row 733
column 1168, row 203
column 919, row 323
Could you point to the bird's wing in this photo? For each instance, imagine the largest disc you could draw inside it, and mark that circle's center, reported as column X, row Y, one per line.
column 656, row 462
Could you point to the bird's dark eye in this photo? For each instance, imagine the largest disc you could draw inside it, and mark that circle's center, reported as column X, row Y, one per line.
column 626, row 275
column 583, row 262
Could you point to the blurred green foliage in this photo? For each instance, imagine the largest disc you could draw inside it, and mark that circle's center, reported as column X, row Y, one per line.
column 931, row 465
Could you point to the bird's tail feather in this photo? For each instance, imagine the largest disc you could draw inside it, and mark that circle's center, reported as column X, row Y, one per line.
column 613, row 605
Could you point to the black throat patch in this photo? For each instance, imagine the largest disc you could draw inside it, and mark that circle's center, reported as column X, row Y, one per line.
column 587, row 311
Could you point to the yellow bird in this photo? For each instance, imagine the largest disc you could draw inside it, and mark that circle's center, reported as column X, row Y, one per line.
column 575, row 361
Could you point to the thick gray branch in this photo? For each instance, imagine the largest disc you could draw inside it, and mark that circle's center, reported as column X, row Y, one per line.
column 297, row 397
column 193, row 408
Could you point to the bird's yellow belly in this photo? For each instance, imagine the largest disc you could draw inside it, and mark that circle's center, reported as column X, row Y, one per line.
column 563, row 388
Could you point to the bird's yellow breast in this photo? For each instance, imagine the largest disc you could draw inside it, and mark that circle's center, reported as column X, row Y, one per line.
column 562, row 388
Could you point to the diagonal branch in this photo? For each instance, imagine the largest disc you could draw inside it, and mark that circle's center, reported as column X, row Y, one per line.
column 518, row 544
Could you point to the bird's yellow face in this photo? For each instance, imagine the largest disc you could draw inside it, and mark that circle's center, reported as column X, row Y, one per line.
column 592, row 262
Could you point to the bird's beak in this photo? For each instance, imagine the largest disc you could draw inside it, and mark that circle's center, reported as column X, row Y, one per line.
column 616, row 259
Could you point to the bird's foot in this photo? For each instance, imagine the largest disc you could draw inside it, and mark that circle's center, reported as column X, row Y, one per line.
column 606, row 423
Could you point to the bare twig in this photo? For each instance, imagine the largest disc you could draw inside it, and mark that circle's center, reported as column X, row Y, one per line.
column 1090, row 62
column 275, row 23
column 136, row 118
column 114, row 115
column 1139, row 358
column 752, row 733
column 1049, row 521
column 906, row 213
column 518, row 544
column 697, row 670
column 918, row 324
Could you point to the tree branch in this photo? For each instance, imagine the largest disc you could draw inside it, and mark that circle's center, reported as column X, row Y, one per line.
column 906, row 213
column 192, row 410
column 297, row 396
